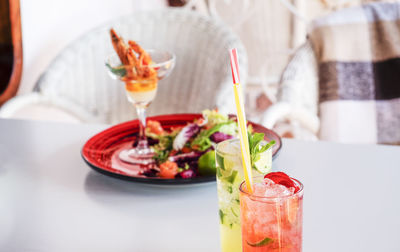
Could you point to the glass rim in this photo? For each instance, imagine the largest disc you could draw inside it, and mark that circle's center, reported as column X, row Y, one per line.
column 225, row 142
column 150, row 51
column 271, row 197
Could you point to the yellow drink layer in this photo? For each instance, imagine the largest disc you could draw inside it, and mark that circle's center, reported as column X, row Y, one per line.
column 231, row 238
column 229, row 177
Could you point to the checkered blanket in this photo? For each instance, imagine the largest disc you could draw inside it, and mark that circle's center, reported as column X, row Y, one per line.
column 358, row 55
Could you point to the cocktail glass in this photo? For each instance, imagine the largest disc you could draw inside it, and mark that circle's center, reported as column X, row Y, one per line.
column 271, row 217
column 141, row 92
column 229, row 176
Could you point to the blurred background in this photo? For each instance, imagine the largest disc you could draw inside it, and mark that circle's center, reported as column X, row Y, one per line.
column 35, row 32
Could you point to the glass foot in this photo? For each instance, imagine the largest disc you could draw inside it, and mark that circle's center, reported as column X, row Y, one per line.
column 138, row 156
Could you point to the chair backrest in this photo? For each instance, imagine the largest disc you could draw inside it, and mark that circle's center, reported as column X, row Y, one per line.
column 299, row 81
column 200, row 80
column 348, row 72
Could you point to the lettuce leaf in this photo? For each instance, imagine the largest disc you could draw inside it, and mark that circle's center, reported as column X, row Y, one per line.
column 214, row 118
column 202, row 141
column 184, row 135
column 163, row 148
column 229, row 128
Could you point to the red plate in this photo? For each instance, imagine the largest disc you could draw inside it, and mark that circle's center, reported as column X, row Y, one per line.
column 100, row 152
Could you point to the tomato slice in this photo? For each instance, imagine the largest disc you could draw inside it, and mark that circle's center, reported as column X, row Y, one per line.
column 168, row 170
column 155, row 127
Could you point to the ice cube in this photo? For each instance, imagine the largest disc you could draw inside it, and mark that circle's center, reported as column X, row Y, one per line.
column 276, row 190
column 268, row 182
column 259, row 189
column 269, row 188
column 233, row 148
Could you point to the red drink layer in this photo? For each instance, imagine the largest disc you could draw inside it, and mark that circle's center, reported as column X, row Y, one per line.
column 272, row 217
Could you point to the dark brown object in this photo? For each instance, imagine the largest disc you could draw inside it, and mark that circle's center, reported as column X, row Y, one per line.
column 176, row 3
column 10, row 49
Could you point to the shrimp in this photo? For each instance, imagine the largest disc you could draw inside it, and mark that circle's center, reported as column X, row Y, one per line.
column 127, row 57
column 144, row 57
column 137, row 67
column 119, row 46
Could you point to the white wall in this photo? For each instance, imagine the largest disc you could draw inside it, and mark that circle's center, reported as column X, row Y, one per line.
column 50, row 25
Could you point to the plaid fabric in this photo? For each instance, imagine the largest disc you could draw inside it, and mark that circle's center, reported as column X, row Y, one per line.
column 358, row 55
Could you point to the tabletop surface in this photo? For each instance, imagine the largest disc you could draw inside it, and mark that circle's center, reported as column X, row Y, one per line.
column 50, row 200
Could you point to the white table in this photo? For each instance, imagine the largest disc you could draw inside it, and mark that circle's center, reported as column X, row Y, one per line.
column 50, row 200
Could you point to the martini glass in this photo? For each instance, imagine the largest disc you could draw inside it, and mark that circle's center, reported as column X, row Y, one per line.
column 141, row 92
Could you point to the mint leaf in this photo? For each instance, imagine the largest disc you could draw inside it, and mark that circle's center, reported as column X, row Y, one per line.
column 221, row 216
column 120, row 71
column 267, row 146
column 255, row 140
column 261, row 243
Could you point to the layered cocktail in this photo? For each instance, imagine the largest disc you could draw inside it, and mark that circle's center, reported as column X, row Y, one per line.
column 141, row 71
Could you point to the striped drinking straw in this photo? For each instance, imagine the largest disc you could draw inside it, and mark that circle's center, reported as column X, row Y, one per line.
column 241, row 118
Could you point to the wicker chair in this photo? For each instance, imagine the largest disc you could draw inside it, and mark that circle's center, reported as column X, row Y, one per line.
column 345, row 103
column 201, row 78
column 297, row 97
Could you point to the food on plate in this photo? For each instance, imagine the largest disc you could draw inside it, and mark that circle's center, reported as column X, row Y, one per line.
column 207, row 164
column 168, row 169
column 189, row 151
column 136, row 70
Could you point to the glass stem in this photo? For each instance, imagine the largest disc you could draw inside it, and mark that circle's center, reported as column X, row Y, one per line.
column 141, row 113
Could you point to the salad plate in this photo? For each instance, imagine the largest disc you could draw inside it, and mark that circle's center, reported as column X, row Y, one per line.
column 102, row 150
